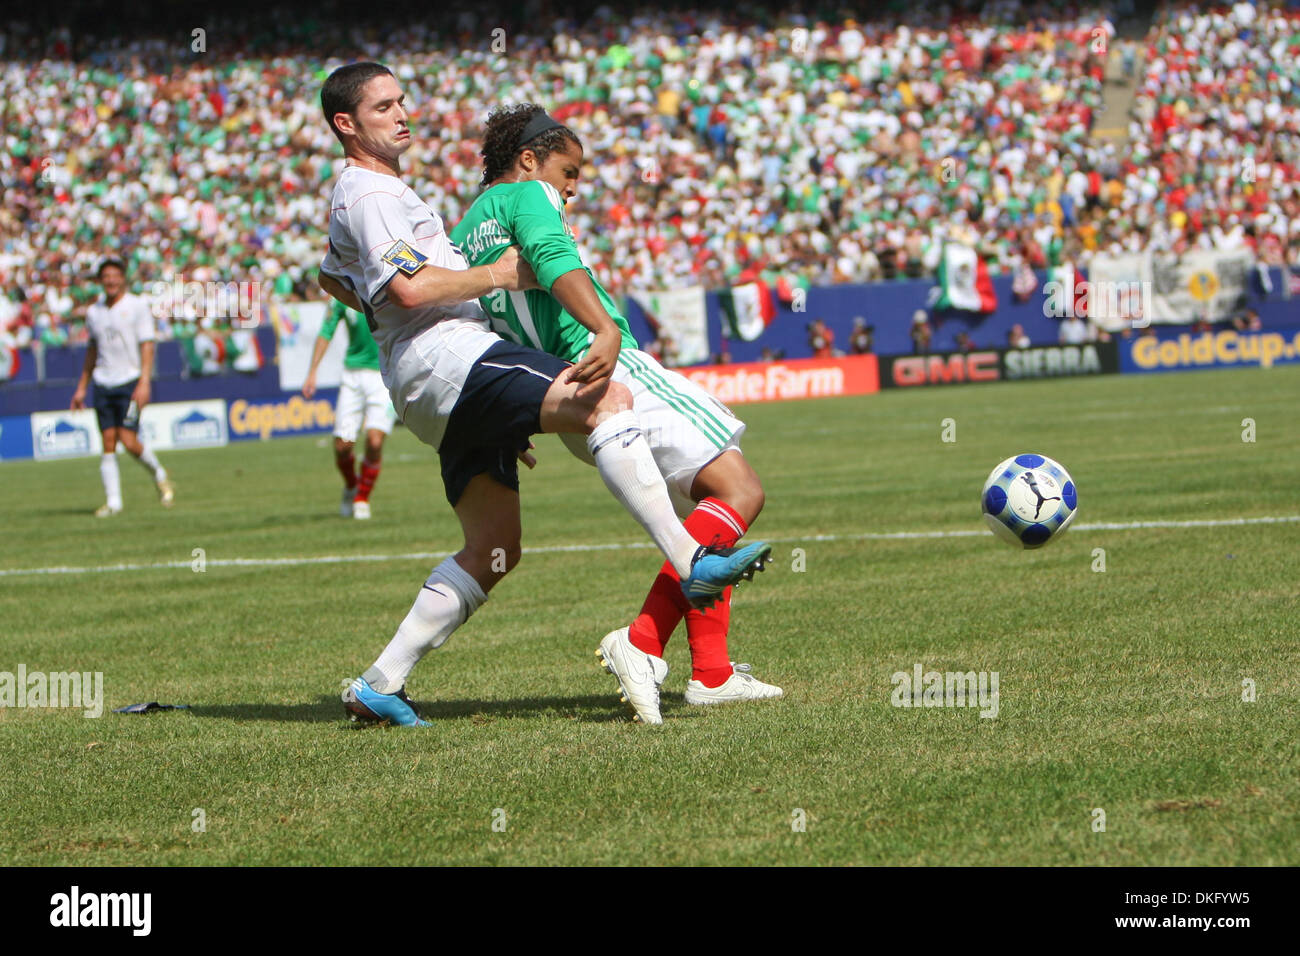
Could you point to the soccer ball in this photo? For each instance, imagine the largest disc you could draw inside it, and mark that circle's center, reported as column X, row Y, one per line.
column 1029, row 500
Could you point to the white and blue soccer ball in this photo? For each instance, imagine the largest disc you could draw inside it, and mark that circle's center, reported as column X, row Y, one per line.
column 1029, row 500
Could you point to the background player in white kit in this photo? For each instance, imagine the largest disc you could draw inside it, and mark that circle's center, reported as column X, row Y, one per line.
column 467, row 392
column 363, row 401
column 120, row 360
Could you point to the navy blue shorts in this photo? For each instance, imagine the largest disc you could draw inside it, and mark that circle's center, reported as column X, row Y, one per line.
column 112, row 404
column 499, row 407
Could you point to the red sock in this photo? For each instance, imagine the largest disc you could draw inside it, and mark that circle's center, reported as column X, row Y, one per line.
column 707, row 633
column 348, row 467
column 714, row 523
column 369, row 473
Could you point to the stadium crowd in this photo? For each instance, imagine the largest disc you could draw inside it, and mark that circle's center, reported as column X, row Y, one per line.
column 718, row 144
column 1216, row 133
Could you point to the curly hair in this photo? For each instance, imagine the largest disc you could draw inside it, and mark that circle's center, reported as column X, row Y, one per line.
column 501, row 144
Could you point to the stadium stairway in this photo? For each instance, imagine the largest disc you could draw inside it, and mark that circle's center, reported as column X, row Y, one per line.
column 1119, row 91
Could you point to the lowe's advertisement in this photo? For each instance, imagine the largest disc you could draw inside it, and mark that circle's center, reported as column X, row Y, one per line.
column 164, row 426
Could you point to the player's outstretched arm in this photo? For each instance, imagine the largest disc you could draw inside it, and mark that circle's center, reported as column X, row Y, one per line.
column 536, row 221
column 435, row 286
column 575, row 291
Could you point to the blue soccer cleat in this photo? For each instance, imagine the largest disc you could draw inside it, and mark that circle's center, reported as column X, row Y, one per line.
column 715, row 569
column 366, row 703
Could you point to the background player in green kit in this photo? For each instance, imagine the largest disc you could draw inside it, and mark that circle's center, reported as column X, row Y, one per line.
column 531, row 168
column 363, row 399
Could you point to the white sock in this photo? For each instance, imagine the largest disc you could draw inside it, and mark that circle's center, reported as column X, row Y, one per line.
column 112, row 479
column 150, row 462
column 446, row 601
column 628, row 468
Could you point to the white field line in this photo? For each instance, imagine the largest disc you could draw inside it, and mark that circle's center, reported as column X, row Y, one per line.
column 627, row 546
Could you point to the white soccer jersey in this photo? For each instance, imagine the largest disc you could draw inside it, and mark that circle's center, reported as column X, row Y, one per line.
column 117, row 331
column 376, row 221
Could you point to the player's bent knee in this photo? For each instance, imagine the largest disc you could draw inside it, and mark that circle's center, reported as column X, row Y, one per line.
column 565, row 409
column 616, row 398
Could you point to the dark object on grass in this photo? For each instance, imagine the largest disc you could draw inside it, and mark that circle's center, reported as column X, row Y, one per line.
column 149, row 707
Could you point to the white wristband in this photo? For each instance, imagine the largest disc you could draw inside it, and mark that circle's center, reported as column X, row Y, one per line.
column 492, row 277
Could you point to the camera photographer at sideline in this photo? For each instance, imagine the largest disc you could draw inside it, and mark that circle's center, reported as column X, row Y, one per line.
column 820, row 339
column 862, row 339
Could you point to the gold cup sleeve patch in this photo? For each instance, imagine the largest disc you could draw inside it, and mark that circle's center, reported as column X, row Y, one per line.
column 407, row 259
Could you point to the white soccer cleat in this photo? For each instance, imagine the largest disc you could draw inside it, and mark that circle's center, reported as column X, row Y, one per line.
column 345, row 506
column 166, row 493
column 638, row 674
column 361, row 510
column 107, row 511
column 741, row 685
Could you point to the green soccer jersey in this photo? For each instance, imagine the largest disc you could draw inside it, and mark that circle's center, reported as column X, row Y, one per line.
column 531, row 216
column 362, row 350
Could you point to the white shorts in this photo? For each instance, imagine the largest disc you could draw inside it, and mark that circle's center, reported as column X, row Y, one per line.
column 685, row 426
column 425, row 373
column 362, row 399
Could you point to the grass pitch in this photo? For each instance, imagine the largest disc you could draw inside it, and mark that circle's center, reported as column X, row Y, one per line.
column 1120, row 690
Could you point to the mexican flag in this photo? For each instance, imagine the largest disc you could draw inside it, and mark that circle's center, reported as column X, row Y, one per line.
column 1072, row 283
column 749, row 309
column 210, row 352
column 964, row 281
column 204, row 354
column 242, row 351
column 788, row 287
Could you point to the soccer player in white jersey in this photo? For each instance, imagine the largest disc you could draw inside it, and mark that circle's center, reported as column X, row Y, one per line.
column 470, row 394
column 120, row 360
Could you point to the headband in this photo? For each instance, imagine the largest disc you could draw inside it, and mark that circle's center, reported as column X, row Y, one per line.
column 538, row 125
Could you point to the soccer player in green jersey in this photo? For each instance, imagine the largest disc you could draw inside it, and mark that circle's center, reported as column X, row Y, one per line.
column 363, row 399
column 531, row 169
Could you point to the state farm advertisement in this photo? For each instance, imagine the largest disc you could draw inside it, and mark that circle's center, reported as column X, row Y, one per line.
column 787, row 379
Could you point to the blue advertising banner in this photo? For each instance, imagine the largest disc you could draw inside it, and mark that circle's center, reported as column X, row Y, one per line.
column 252, row 419
column 15, row 437
column 1171, row 351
